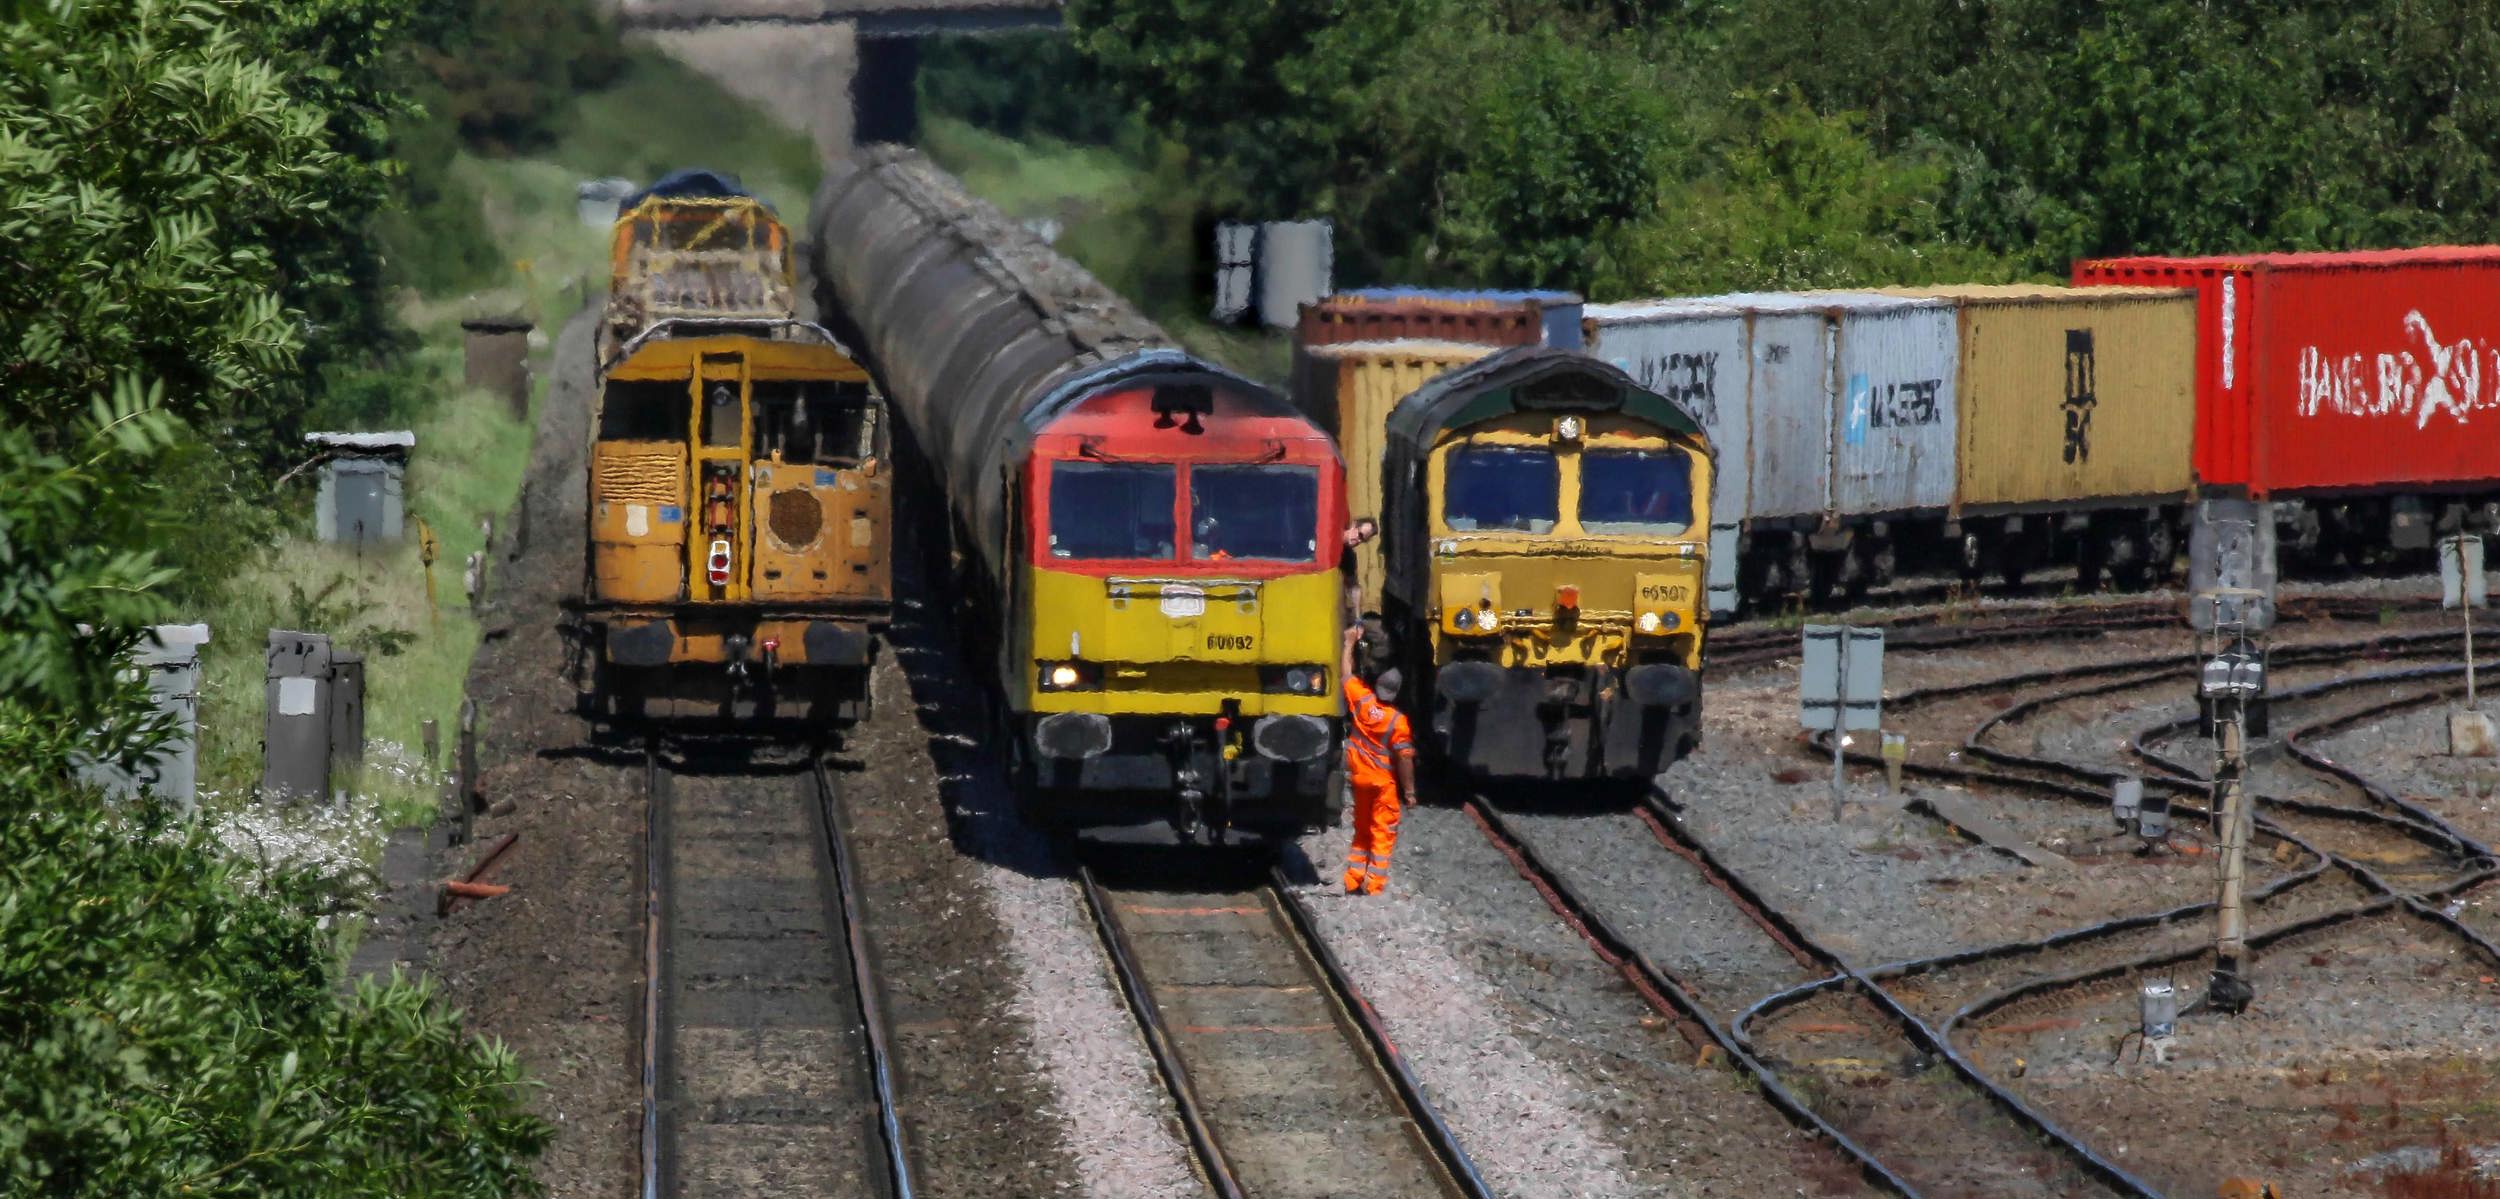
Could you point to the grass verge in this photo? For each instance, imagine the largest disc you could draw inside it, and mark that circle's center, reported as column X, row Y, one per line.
column 471, row 451
column 1115, row 218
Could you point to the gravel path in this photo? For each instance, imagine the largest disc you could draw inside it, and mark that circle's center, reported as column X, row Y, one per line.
column 2362, row 1039
column 946, row 951
column 1556, row 1077
column 1665, row 906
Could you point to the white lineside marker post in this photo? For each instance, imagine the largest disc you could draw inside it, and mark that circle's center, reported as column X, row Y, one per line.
column 2461, row 586
column 1840, row 689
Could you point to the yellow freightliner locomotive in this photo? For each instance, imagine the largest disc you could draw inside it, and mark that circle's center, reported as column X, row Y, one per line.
column 739, row 493
column 1545, row 535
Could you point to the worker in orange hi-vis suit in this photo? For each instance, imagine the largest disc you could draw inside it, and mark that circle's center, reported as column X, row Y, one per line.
column 1379, row 764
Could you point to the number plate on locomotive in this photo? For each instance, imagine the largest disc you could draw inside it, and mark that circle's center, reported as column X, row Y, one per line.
column 1182, row 602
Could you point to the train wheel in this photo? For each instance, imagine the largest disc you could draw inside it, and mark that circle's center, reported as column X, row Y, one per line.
column 1825, row 574
column 2092, row 558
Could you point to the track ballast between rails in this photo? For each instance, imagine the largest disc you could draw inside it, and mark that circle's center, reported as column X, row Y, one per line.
column 766, row 1063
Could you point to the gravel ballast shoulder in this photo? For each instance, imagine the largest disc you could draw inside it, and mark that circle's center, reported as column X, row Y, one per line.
column 1553, row 1073
column 1080, row 1048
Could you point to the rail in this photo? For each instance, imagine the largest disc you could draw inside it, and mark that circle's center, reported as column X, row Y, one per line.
column 1447, row 1164
column 885, row 1167
column 1669, row 995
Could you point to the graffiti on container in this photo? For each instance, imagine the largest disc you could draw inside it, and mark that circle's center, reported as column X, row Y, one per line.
column 1890, row 406
column 2456, row 378
column 2082, row 396
column 1689, row 379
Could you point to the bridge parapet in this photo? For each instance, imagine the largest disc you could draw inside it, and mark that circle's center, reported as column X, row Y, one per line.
column 872, row 18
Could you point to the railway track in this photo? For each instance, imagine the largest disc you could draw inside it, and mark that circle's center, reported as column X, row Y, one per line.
column 1968, row 992
column 1928, row 629
column 1838, row 1021
column 764, row 1065
column 1991, row 1144
column 1284, row 1078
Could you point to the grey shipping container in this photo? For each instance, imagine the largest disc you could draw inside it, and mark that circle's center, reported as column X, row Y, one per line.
column 1788, row 354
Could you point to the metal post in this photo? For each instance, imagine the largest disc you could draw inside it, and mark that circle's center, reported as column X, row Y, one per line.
column 2469, row 654
column 2229, row 990
column 1840, row 725
column 466, row 795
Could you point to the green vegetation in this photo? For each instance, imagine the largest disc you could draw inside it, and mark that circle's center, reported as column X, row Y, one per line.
column 206, row 237
column 1648, row 147
column 169, row 1026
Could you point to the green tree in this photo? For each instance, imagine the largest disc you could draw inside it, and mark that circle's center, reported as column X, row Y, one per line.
column 1559, row 141
column 1795, row 199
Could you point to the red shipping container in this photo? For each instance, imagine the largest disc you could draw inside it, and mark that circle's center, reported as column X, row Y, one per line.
column 2369, row 370
column 1485, row 318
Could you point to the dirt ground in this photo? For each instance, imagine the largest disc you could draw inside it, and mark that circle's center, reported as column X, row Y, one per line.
column 554, row 968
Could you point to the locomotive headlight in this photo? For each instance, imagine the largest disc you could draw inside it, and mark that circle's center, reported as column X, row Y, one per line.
column 1567, row 428
column 1465, row 619
column 1068, row 676
column 1649, row 622
column 1293, row 680
column 1489, row 620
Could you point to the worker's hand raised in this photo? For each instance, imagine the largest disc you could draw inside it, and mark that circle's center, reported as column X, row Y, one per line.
column 1353, row 633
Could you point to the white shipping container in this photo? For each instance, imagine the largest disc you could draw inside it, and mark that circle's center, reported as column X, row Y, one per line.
column 1789, row 399
column 1896, row 417
column 1693, row 352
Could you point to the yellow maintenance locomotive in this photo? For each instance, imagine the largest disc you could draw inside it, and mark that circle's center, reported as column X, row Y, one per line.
column 737, row 560
column 1545, row 536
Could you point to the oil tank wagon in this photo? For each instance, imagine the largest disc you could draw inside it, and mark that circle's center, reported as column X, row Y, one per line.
column 1142, row 545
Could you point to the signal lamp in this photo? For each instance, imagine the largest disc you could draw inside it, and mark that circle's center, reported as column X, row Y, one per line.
column 1567, row 596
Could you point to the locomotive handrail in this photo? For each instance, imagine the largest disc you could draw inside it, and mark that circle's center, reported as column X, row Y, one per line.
column 672, row 324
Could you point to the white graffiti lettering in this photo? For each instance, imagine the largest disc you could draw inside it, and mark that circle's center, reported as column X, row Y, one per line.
column 2457, row 378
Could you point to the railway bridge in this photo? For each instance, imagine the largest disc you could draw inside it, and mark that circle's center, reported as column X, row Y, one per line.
column 844, row 70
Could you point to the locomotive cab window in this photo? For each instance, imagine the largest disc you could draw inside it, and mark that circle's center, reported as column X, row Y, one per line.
column 644, row 410
column 720, row 412
column 815, row 422
column 1491, row 487
column 1268, row 512
column 1636, row 491
column 1111, row 510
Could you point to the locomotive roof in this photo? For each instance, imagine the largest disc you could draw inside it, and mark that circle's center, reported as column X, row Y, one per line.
column 1147, row 367
column 1509, row 381
column 692, row 183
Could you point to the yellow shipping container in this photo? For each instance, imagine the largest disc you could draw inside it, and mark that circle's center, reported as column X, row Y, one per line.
column 2072, row 393
column 1351, row 387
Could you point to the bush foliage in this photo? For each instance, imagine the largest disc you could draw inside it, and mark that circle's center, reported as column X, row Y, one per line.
column 1646, row 146
column 186, row 190
column 168, row 1027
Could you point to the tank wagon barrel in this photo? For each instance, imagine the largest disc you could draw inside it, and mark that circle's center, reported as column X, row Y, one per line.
column 1144, row 542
